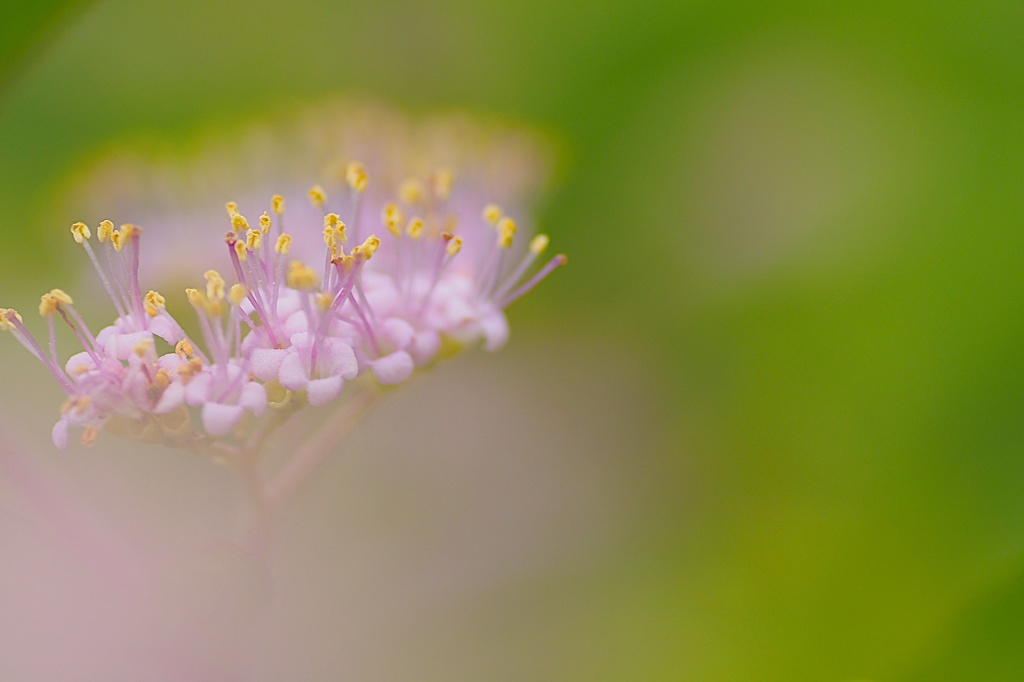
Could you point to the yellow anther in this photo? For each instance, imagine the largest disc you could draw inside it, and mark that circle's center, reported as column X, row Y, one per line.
column 117, row 239
column 330, row 241
column 142, row 347
column 441, row 183
column 277, row 203
column 61, row 297
column 8, row 316
column 300, row 276
column 214, row 285
column 356, row 176
column 506, row 231
column 81, row 232
column 47, row 305
column 239, row 223
column 339, row 232
column 454, row 246
column 331, row 220
column 105, row 231
column 415, row 227
column 393, row 217
column 370, row 246
column 284, row 244
column 317, row 196
column 253, row 240
column 237, row 294
column 196, row 297
column 232, row 208
column 492, row 213
column 240, row 250
column 154, row 303
column 184, row 348
column 89, row 437
column 129, row 231
column 539, row 243
column 265, row 222
column 162, row 379
column 324, row 300
column 412, row 191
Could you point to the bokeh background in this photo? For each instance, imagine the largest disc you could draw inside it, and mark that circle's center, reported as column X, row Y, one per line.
column 768, row 425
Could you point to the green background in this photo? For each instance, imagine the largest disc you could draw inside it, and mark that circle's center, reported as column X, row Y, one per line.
column 799, row 223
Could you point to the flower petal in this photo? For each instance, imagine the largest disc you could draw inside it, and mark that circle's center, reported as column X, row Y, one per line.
column 323, row 391
column 172, row 398
column 292, row 374
column 219, row 419
column 254, row 398
column 265, row 363
column 393, row 369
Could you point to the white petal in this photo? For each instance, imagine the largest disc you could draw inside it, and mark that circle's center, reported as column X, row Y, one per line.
column 78, row 361
column 399, row 332
column 266, row 362
column 393, row 369
column 323, row 391
column 495, row 329
column 254, row 398
column 425, row 347
column 164, row 326
column 173, row 397
column 219, row 419
column 292, row 374
column 342, row 359
column 197, row 390
column 60, row 433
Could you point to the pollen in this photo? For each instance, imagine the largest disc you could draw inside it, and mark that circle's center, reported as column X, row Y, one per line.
column 441, row 183
column 8, row 316
column 356, row 176
column 492, row 214
column 240, row 250
column 117, row 239
column 317, row 196
column 301, row 276
column 239, row 223
column 142, row 347
column 392, row 218
column 89, row 436
column 214, row 285
column 277, row 203
column 81, row 232
column 370, row 246
column 232, row 209
column 539, row 243
column 105, row 231
column 415, row 227
column 253, row 240
column 330, row 240
column 506, row 231
column 412, row 191
column 324, row 300
column 265, row 222
column 237, row 294
column 154, row 303
column 184, row 347
column 454, row 246
column 339, row 232
column 284, row 244
column 49, row 303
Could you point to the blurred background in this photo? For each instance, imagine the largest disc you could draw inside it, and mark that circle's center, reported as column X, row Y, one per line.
column 769, row 425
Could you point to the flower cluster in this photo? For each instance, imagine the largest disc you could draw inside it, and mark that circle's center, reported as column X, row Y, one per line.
column 286, row 333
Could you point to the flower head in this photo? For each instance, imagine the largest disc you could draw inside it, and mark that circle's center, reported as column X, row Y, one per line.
column 280, row 332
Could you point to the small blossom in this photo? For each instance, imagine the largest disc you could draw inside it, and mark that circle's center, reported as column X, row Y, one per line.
column 280, row 326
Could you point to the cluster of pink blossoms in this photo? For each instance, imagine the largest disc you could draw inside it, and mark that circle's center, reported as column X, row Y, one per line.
column 285, row 333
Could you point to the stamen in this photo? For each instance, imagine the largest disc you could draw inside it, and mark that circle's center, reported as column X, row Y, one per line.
column 356, row 176
column 81, row 232
column 412, row 191
column 317, row 196
column 552, row 265
column 492, row 214
column 441, row 183
column 154, row 303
